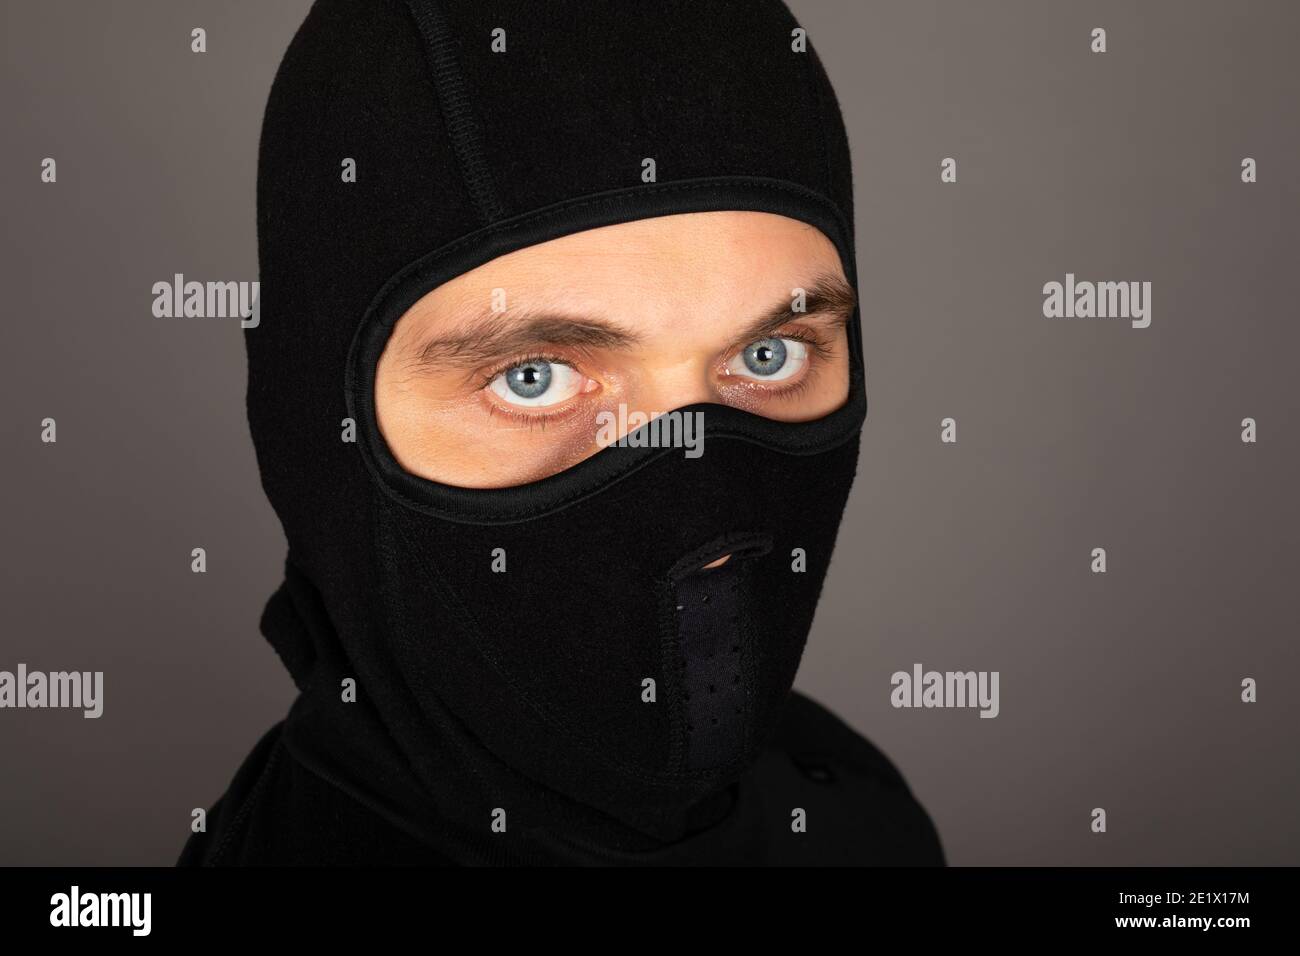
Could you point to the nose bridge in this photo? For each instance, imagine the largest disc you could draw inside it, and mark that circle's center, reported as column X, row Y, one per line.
column 683, row 379
column 690, row 319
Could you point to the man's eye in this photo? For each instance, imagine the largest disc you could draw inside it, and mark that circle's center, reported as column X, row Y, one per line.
column 769, row 360
column 537, row 383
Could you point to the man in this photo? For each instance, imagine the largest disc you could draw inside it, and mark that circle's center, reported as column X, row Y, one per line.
column 501, row 245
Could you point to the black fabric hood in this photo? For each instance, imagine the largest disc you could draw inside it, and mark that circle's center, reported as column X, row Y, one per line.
column 464, row 154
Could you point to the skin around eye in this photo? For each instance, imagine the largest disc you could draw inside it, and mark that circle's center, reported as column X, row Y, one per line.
column 537, row 383
column 658, row 306
column 769, row 360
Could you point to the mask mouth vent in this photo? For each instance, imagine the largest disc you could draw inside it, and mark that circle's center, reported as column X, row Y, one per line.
column 713, row 653
column 737, row 547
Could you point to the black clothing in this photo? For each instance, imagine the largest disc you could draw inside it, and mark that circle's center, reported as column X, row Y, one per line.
column 601, row 696
column 279, row 812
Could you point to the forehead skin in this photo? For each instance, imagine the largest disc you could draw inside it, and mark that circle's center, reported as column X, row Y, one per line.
column 691, row 278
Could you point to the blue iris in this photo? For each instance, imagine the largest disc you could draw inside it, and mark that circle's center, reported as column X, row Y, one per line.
column 765, row 357
column 529, row 380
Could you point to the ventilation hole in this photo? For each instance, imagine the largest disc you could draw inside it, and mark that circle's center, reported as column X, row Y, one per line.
column 737, row 710
column 690, row 727
column 688, row 696
column 712, row 689
column 735, row 648
column 715, row 721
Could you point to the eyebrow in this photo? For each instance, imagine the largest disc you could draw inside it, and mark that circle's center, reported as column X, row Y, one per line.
column 492, row 335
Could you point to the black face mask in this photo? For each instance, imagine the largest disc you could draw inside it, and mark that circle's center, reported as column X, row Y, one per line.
column 554, row 657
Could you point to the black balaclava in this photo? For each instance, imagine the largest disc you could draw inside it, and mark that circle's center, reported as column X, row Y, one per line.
column 520, row 697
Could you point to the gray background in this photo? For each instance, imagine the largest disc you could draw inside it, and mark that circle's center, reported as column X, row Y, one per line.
column 1118, row 690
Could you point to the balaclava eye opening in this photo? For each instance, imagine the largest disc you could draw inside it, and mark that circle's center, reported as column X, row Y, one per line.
column 476, row 129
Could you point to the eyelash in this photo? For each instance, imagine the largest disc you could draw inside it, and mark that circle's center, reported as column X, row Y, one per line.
column 815, row 344
column 524, row 360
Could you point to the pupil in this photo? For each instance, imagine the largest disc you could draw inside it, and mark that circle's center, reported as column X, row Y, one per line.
column 765, row 357
column 531, row 380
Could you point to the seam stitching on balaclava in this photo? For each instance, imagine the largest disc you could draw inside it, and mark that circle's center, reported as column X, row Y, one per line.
column 245, row 808
column 653, row 189
column 742, row 545
column 582, row 493
column 453, row 96
column 700, row 749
